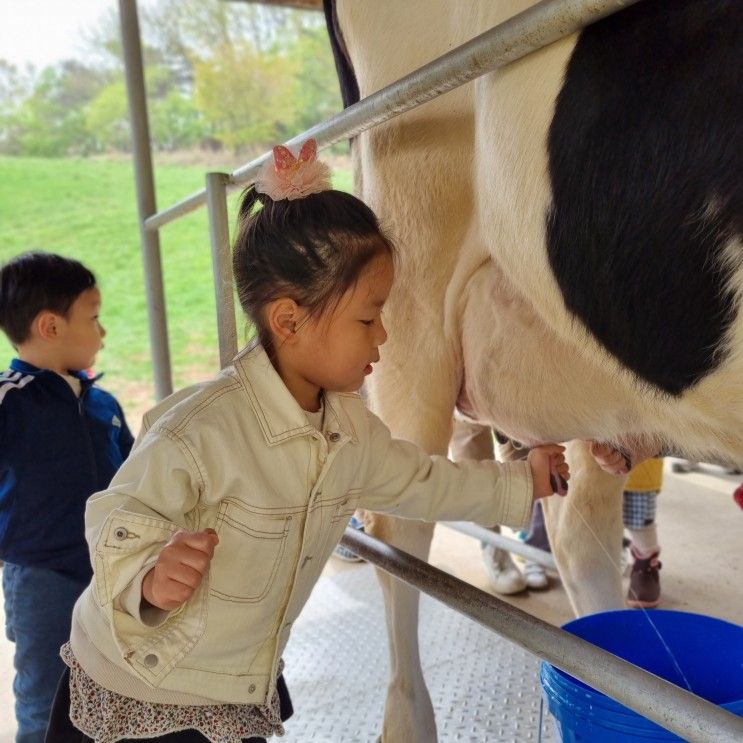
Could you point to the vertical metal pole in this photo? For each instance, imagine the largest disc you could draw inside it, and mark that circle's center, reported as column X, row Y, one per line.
column 219, row 231
column 134, row 72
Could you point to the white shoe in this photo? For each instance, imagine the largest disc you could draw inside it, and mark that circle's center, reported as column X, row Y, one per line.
column 624, row 558
column 505, row 577
column 685, row 466
column 535, row 575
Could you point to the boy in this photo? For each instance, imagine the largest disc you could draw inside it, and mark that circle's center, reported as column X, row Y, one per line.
column 61, row 439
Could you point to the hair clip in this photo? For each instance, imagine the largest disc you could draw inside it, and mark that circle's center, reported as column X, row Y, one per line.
column 293, row 177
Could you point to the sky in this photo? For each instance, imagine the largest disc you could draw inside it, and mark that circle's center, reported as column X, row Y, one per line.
column 42, row 32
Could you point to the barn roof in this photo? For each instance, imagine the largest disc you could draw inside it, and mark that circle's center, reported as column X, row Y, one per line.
column 302, row 4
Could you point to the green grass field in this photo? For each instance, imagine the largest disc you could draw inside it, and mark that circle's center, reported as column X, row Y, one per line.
column 86, row 209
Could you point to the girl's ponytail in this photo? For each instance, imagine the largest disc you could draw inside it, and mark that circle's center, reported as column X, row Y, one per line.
column 250, row 198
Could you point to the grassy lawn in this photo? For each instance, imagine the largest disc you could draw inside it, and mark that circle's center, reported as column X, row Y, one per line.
column 86, row 209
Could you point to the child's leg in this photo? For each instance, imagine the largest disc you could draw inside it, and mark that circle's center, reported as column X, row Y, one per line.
column 639, row 519
column 534, row 572
column 61, row 729
column 537, row 535
column 40, row 603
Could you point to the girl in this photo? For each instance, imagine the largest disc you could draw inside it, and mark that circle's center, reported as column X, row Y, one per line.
column 210, row 538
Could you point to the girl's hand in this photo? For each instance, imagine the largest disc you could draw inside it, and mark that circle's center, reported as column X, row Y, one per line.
column 545, row 461
column 180, row 568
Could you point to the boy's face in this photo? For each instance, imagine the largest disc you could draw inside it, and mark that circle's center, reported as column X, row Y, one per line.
column 80, row 334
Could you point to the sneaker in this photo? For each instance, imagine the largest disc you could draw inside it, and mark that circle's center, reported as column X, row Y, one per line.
column 344, row 553
column 644, row 582
column 685, row 466
column 624, row 557
column 536, row 576
column 505, row 578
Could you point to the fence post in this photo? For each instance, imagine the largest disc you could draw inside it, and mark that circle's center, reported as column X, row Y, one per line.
column 145, row 183
column 219, row 231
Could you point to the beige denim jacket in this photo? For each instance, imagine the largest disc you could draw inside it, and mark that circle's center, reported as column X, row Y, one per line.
column 237, row 454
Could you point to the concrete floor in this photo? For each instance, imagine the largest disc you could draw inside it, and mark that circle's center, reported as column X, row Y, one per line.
column 701, row 532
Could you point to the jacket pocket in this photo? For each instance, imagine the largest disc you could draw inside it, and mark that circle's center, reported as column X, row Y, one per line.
column 126, row 543
column 247, row 559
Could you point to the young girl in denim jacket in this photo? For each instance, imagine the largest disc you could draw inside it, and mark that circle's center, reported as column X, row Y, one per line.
column 209, row 540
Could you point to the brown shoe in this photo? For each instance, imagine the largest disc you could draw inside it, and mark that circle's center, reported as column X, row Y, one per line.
column 644, row 582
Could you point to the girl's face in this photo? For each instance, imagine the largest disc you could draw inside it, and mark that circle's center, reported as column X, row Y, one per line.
column 336, row 350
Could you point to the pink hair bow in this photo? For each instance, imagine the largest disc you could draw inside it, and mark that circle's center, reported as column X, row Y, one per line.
column 293, row 177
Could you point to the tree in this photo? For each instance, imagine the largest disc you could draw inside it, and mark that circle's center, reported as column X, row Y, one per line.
column 106, row 118
column 14, row 87
column 51, row 120
column 316, row 91
column 176, row 122
column 245, row 95
column 243, row 74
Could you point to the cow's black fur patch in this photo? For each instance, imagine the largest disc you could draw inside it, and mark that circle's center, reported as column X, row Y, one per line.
column 646, row 166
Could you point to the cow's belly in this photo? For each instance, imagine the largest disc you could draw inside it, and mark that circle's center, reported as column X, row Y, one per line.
column 527, row 382
column 521, row 377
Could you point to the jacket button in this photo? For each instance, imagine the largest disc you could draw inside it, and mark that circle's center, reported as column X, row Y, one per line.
column 251, row 688
column 120, row 532
column 334, row 436
column 150, row 660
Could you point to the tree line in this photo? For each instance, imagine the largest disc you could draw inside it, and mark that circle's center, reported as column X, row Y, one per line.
column 219, row 75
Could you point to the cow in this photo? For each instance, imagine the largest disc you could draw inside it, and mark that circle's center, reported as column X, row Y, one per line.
column 570, row 261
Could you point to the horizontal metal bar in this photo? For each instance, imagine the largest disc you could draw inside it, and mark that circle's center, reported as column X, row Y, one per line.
column 693, row 718
column 179, row 209
column 526, row 32
column 517, row 547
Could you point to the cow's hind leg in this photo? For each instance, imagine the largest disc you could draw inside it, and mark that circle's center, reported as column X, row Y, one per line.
column 585, row 531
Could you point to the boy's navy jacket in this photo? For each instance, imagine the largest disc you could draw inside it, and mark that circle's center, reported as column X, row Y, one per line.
column 55, row 450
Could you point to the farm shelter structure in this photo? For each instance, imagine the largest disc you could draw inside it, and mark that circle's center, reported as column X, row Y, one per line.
column 684, row 711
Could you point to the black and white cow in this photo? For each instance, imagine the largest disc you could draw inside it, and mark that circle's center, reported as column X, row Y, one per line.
column 571, row 265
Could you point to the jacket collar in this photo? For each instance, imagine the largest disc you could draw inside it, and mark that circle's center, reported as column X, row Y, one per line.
column 279, row 414
column 25, row 368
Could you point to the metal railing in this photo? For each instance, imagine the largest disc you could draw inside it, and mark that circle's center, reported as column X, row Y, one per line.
column 689, row 716
column 516, row 546
column 550, row 20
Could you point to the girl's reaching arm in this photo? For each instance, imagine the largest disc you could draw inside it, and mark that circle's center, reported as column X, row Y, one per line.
column 404, row 480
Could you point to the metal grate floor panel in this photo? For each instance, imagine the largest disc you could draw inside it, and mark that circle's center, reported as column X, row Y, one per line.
column 484, row 688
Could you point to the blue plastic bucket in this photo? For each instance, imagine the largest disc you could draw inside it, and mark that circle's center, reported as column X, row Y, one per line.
column 708, row 651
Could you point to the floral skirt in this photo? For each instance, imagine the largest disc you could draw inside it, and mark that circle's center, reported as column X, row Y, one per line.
column 106, row 716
